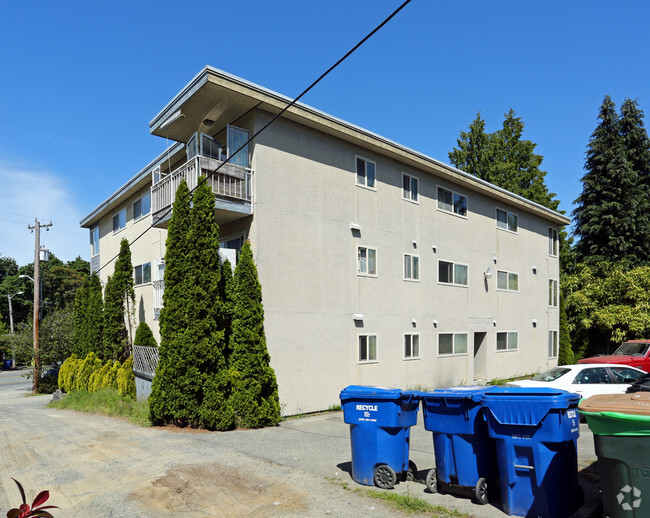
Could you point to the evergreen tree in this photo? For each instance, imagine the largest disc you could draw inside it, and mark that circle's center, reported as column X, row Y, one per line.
column 144, row 336
column 227, row 293
column 79, row 320
column 94, row 316
column 607, row 208
column 565, row 355
column 255, row 388
column 473, row 153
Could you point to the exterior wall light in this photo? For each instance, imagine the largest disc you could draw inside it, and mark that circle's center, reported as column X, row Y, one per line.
column 534, row 322
column 534, row 269
column 487, row 274
column 355, row 226
column 413, row 322
column 435, row 323
column 357, row 316
column 434, row 248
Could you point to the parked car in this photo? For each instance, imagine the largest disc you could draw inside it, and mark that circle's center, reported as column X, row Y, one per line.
column 635, row 353
column 585, row 379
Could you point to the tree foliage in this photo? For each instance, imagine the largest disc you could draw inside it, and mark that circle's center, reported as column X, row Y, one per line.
column 144, row 336
column 255, row 388
column 88, row 317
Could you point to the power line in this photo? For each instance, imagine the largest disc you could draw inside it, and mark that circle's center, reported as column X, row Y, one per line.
column 279, row 114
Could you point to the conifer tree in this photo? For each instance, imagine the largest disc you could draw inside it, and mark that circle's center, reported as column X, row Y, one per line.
column 92, row 334
column 144, row 336
column 255, row 388
column 227, row 293
column 79, row 320
column 566, row 355
column 606, row 212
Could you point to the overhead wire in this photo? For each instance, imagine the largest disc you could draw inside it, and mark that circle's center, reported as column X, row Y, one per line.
column 275, row 117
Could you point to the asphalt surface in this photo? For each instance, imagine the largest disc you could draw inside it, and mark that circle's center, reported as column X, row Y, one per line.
column 59, row 450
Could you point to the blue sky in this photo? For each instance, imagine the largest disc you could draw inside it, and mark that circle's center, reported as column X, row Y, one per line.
column 82, row 80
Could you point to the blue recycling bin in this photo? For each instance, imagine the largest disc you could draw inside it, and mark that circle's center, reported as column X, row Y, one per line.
column 6, row 363
column 380, row 422
column 464, row 453
column 536, row 432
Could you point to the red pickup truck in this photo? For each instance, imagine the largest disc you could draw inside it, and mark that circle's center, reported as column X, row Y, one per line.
column 635, row 353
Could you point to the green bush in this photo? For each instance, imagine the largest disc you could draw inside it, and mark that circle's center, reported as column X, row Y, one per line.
column 144, row 336
column 68, row 373
column 85, row 372
column 97, row 378
column 110, row 380
column 126, row 379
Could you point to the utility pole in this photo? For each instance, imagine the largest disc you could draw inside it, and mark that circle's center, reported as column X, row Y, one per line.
column 37, row 296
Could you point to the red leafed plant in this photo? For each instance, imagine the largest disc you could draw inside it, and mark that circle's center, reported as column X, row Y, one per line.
column 33, row 511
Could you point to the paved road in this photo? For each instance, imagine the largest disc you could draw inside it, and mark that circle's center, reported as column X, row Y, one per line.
column 10, row 380
column 98, row 466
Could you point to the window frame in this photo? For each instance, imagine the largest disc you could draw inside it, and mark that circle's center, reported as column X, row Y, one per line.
column 413, row 260
column 553, row 344
column 117, row 215
column 507, row 223
column 94, row 238
column 411, row 346
column 142, row 270
column 411, row 180
column 553, row 242
column 366, row 161
column 142, row 214
column 507, row 348
column 453, row 270
column 367, row 336
column 453, row 210
column 453, row 344
column 366, row 273
column 508, row 274
column 553, row 293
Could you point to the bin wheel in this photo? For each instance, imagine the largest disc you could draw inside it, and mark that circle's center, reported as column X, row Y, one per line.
column 481, row 491
column 385, row 477
column 432, row 480
column 412, row 472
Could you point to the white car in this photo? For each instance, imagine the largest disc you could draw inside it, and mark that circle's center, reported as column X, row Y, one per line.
column 584, row 379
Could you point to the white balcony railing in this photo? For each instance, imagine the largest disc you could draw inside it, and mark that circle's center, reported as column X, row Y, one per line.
column 230, row 181
column 158, row 289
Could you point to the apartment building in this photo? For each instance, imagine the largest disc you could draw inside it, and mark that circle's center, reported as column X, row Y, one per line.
column 379, row 265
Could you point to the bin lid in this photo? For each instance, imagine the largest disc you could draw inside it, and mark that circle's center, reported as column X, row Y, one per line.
column 636, row 403
column 526, row 406
column 475, row 393
column 365, row 391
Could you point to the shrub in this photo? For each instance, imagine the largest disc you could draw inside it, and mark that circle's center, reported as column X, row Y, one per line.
column 126, row 379
column 68, row 373
column 144, row 336
column 85, row 371
column 110, row 380
column 97, row 379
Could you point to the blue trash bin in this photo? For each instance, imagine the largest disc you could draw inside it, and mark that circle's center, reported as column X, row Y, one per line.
column 380, row 422
column 536, row 433
column 6, row 363
column 464, row 453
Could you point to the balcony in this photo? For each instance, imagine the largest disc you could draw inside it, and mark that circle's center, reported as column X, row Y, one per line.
column 231, row 185
column 158, row 290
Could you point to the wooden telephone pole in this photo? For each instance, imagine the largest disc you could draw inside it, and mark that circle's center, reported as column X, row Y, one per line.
column 37, row 296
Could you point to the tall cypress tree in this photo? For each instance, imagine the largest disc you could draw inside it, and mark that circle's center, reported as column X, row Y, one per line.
column 255, row 387
column 94, row 315
column 606, row 212
column 79, row 320
column 168, row 402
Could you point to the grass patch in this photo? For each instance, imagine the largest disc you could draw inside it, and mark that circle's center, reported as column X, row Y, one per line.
column 107, row 402
column 503, row 381
column 407, row 502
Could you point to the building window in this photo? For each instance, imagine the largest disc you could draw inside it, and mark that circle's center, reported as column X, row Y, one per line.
column 552, row 344
column 94, row 241
column 507, row 220
column 409, row 187
column 552, row 241
column 453, row 202
column 411, row 267
column 411, row 346
column 452, row 343
column 365, row 173
column 237, row 139
column 452, row 273
column 552, row 293
column 507, row 341
column 142, row 273
column 367, row 348
column 142, row 207
column 119, row 220
column 366, row 261
column 508, row 281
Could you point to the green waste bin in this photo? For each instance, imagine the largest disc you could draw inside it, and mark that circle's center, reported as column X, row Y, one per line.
column 621, row 427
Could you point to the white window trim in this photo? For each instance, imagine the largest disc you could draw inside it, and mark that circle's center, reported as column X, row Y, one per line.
column 556, row 241
column 410, row 177
column 507, row 349
column 365, row 185
column 466, row 216
column 508, row 281
column 556, row 283
column 365, row 274
column 508, row 213
column 367, row 335
column 556, row 334
column 142, row 216
column 93, row 229
column 113, row 217
column 453, row 344
column 410, row 279
column 411, row 358
column 453, row 283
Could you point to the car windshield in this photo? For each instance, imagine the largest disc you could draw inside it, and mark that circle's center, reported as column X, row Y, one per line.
column 551, row 374
column 632, row 348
